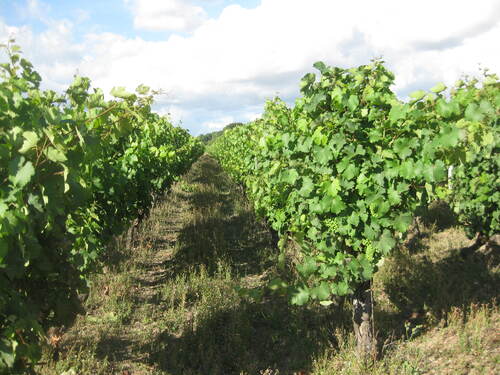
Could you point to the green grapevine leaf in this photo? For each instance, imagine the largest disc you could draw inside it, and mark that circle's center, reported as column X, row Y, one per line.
column 142, row 90
column 450, row 136
column 320, row 65
column 323, row 155
column 333, row 187
column 341, row 288
column 337, row 205
column 439, row 88
column 322, row 291
column 398, row 112
column 122, row 93
column 308, row 267
column 24, row 175
column 417, row 95
column 447, row 110
column 289, row 176
column 473, row 113
column 30, row 141
column 350, row 172
column 56, row 155
column 301, row 297
column 386, row 242
column 353, row 102
column 402, row 222
column 307, row 186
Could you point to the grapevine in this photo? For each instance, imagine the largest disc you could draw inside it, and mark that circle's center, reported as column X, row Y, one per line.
column 75, row 170
column 345, row 169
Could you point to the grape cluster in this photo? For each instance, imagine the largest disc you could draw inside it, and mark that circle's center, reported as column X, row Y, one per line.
column 369, row 248
column 332, row 224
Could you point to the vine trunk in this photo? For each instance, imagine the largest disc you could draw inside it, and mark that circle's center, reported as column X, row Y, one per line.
column 363, row 321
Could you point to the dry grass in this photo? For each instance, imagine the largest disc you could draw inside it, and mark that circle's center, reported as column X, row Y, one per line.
column 468, row 345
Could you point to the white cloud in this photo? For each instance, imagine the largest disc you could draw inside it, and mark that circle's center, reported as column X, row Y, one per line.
column 54, row 53
column 219, row 124
column 81, row 15
column 175, row 113
column 169, row 15
column 251, row 116
column 228, row 66
column 36, row 9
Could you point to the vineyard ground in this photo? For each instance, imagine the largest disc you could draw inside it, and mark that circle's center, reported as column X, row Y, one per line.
column 168, row 303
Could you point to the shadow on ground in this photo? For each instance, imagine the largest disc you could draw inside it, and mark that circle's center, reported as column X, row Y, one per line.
column 222, row 226
column 248, row 339
column 437, row 287
column 230, row 334
column 430, row 277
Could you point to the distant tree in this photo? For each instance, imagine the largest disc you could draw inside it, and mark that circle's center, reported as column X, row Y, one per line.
column 210, row 137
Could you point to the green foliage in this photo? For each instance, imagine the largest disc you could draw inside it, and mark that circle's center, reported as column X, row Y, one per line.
column 75, row 170
column 475, row 193
column 228, row 149
column 345, row 169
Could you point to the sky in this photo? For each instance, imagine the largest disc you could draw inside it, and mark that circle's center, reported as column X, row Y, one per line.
column 218, row 61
